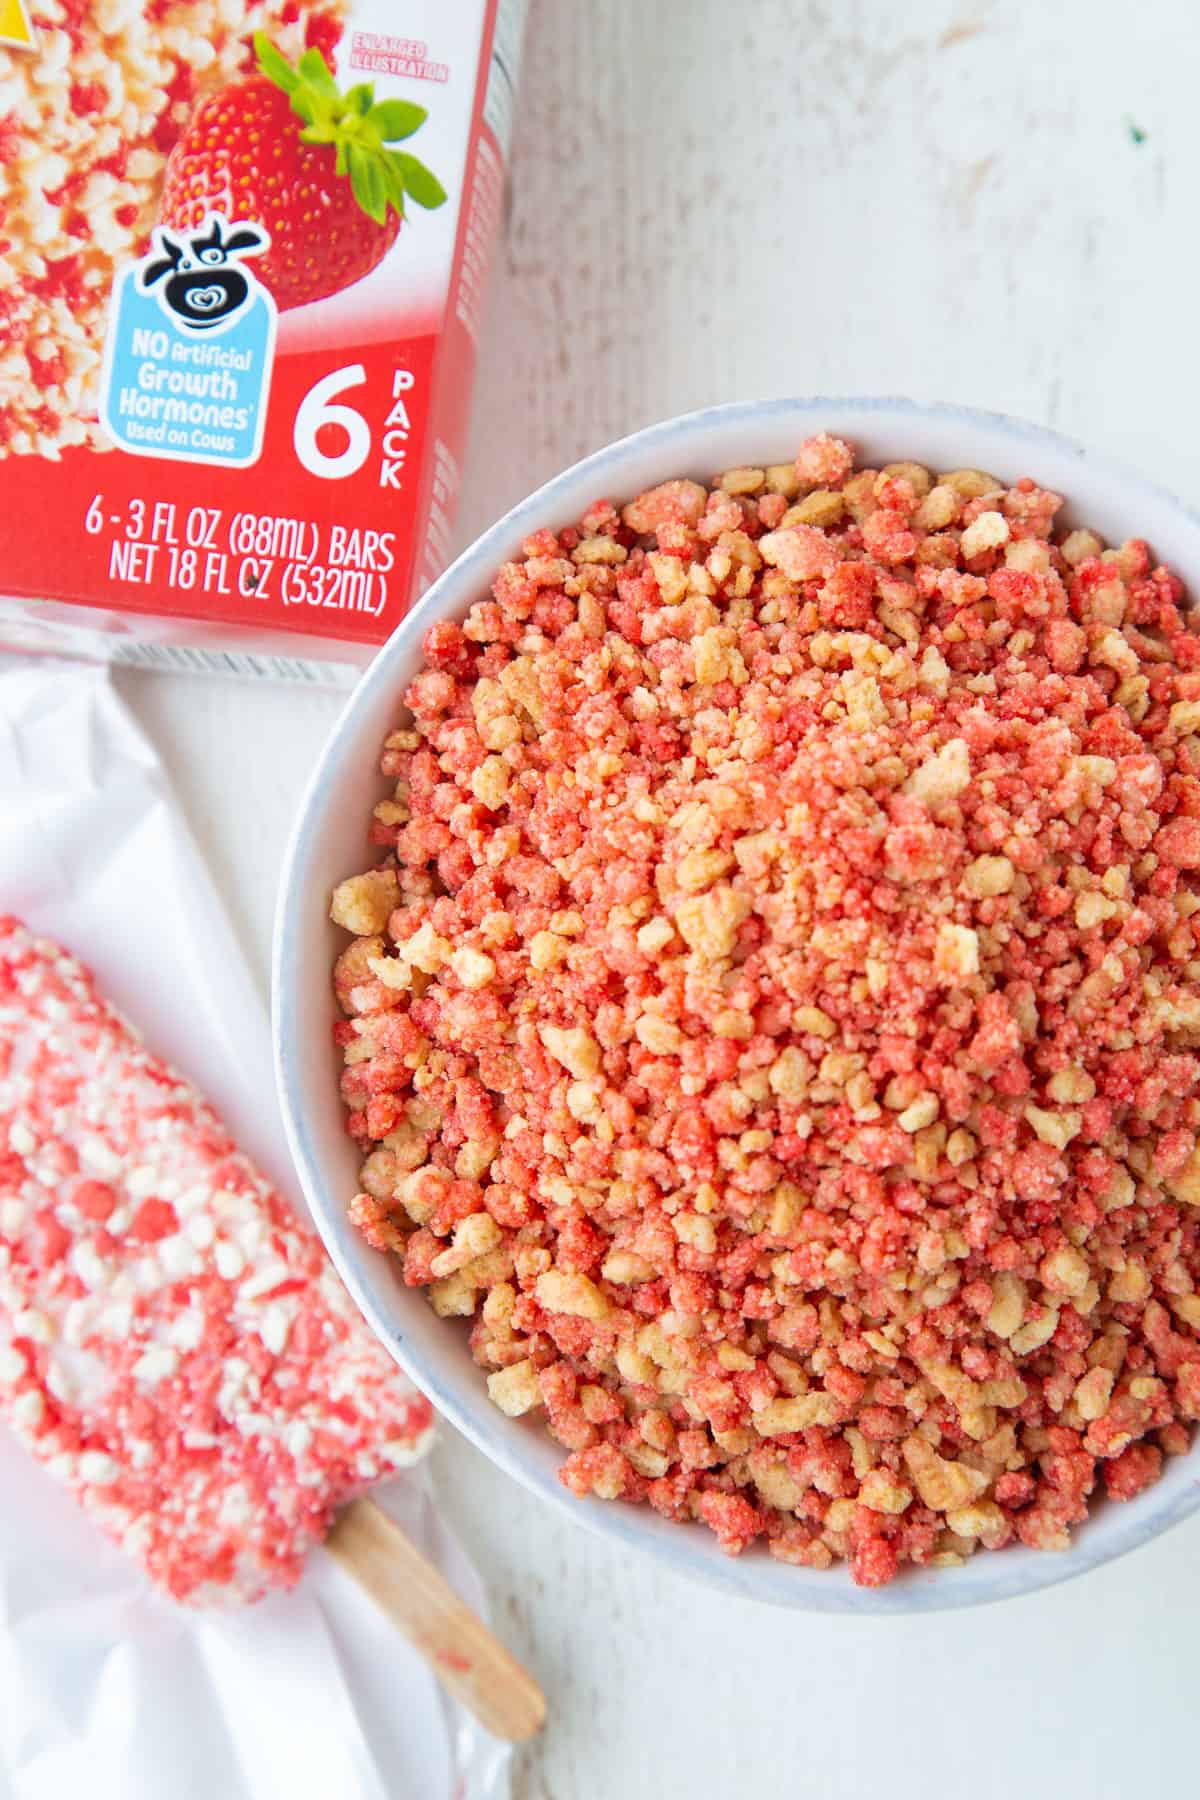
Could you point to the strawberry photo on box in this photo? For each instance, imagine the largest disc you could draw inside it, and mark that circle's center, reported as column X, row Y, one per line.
column 285, row 149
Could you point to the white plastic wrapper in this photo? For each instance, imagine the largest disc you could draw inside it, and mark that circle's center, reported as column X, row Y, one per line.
column 109, row 1689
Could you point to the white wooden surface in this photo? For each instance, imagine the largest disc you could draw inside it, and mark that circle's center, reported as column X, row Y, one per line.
column 938, row 197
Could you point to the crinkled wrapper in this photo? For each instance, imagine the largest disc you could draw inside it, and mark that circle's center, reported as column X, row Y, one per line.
column 109, row 1687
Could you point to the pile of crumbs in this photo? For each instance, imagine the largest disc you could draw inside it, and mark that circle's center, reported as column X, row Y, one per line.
column 87, row 119
column 774, row 1019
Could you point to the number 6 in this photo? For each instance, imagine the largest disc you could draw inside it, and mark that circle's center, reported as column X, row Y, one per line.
column 316, row 409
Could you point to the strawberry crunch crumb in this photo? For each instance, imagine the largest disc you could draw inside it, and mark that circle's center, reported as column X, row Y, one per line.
column 173, row 1344
column 774, row 1024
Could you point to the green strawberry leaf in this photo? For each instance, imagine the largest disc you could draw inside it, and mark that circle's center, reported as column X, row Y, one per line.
column 394, row 178
column 421, row 183
column 316, row 71
column 359, row 128
column 368, row 182
column 274, row 64
column 394, row 119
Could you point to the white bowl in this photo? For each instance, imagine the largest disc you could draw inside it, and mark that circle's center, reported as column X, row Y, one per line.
column 329, row 842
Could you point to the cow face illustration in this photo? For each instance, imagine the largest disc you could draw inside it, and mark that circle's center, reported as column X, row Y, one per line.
column 203, row 287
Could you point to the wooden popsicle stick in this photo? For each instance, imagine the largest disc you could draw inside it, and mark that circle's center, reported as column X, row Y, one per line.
column 421, row 1604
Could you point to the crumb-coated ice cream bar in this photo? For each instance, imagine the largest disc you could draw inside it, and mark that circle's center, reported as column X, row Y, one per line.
column 173, row 1343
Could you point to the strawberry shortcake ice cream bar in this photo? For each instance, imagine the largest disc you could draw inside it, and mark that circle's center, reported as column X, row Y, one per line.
column 174, row 1345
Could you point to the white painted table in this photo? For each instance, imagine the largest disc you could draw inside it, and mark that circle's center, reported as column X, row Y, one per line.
column 944, row 198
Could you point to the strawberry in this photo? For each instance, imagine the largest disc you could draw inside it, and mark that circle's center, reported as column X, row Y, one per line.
column 285, row 149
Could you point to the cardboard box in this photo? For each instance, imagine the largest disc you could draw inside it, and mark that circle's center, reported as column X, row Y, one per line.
column 235, row 382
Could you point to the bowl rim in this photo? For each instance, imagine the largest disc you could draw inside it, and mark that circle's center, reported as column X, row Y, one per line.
column 983, row 1579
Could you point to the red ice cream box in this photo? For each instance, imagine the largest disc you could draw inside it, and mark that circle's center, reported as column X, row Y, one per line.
column 241, row 276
